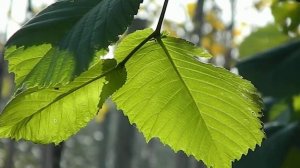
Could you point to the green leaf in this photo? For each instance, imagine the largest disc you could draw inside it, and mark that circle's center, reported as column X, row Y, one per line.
column 114, row 80
column 274, row 72
column 292, row 158
column 78, row 31
column 279, row 111
column 296, row 107
column 30, row 57
column 53, row 114
column 296, row 103
column 261, row 40
column 201, row 109
column 131, row 41
column 286, row 15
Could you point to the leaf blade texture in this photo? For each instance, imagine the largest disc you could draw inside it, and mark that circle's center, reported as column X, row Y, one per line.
column 54, row 114
column 203, row 110
column 79, row 32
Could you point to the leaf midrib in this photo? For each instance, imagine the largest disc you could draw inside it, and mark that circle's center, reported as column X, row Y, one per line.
column 68, row 93
column 160, row 42
column 162, row 45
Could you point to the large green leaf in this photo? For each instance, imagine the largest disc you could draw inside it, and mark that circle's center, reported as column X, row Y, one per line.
column 274, row 72
column 131, row 41
column 77, row 30
column 53, row 114
column 201, row 109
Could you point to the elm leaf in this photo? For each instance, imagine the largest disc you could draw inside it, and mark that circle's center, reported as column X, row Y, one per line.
column 206, row 111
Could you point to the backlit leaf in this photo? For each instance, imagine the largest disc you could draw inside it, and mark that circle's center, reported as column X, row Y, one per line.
column 53, row 114
column 77, row 33
column 201, row 109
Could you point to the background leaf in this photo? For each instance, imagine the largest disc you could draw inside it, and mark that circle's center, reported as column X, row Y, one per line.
column 274, row 72
column 203, row 110
column 274, row 149
column 292, row 159
column 286, row 14
column 114, row 80
column 261, row 40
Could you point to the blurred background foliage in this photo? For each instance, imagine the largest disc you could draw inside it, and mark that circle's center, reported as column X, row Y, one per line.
column 257, row 38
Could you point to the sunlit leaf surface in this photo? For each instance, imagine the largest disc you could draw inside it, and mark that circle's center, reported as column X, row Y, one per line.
column 77, row 33
column 204, row 110
column 53, row 114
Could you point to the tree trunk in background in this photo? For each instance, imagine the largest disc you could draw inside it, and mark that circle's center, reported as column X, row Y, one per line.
column 229, row 40
column 199, row 19
column 57, row 153
column 9, row 162
column 10, row 150
column 29, row 8
column 151, row 157
column 51, row 156
column 124, row 143
column 104, row 147
column 109, row 129
column 30, row 12
column 200, row 165
column 182, row 161
column 47, row 156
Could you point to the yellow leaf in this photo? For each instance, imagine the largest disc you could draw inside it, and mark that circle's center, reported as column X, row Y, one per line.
column 191, row 8
column 218, row 25
column 6, row 87
column 217, row 49
column 206, row 42
column 215, row 22
column 102, row 113
column 260, row 5
column 236, row 32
